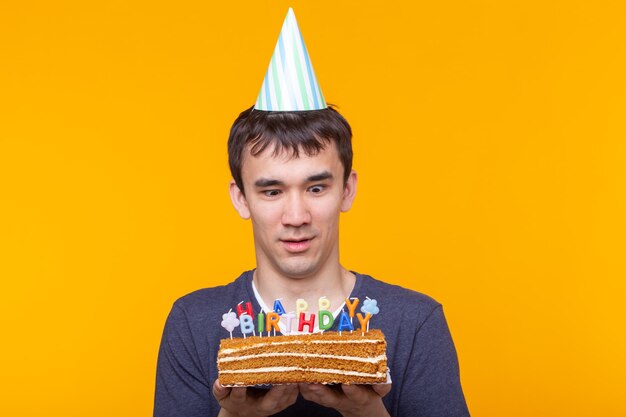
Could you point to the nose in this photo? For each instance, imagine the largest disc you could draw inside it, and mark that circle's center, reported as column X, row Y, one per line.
column 296, row 211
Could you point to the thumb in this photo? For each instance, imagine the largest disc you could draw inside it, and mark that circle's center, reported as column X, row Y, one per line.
column 381, row 389
column 220, row 392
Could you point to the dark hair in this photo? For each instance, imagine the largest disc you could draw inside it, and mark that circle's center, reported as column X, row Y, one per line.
column 294, row 131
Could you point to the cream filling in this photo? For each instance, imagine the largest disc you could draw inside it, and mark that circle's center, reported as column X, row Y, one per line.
column 296, row 368
column 304, row 355
column 297, row 342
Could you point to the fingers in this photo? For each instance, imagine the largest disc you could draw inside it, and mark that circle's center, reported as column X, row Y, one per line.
column 220, row 392
column 352, row 399
column 362, row 392
column 321, row 394
column 238, row 395
column 356, row 393
column 278, row 398
column 293, row 396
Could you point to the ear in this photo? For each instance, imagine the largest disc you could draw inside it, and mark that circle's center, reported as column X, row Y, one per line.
column 239, row 200
column 349, row 192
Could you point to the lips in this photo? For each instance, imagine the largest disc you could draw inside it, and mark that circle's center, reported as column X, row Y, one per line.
column 296, row 245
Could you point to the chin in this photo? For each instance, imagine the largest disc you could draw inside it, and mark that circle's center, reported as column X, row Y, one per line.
column 298, row 269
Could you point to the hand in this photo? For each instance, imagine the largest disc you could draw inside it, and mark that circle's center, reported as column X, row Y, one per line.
column 238, row 401
column 349, row 400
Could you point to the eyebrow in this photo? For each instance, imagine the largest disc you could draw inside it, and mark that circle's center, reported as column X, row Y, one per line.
column 268, row 182
column 325, row 175
column 265, row 182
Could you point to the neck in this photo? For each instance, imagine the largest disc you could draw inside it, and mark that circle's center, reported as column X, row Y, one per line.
column 333, row 282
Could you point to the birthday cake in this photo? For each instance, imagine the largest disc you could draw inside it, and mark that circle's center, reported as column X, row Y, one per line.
column 326, row 358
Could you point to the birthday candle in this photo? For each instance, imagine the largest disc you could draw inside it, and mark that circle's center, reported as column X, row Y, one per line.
column 260, row 321
column 326, row 320
column 278, row 307
column 272, row 322
column 248, row 309
column 304, row 322
column 323, row 303
column 246, row 323
column 364, row 321
column 301, row 305
column 230, row 321
column 370, row 307
column 352, row 305
column 344, row 322
column 288, row 317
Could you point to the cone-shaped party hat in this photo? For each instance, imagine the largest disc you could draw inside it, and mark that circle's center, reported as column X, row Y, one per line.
column 290, row 83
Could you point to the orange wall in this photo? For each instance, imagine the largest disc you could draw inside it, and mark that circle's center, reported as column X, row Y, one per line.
column 489, row 139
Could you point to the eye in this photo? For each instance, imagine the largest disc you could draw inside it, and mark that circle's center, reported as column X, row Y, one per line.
column 270, row 193
column 316, row 189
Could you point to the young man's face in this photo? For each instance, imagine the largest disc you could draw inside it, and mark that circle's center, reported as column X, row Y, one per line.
column 294, row 204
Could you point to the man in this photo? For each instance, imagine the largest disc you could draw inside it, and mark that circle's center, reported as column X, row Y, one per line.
column 292, row 177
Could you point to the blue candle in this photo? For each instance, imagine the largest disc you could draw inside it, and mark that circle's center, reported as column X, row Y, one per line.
column 344, row 322
column 278, row 307
column 246, row 324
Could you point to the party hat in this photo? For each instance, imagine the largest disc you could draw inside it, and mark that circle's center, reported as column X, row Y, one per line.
column 290, row 83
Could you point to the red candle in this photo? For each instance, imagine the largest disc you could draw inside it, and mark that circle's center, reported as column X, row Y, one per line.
column 304, row 322
column 248, row 309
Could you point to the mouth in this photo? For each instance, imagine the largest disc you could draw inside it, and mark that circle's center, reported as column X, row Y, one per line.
column 297, row 245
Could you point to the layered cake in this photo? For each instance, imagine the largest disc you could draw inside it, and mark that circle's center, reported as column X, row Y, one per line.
column 327, row 358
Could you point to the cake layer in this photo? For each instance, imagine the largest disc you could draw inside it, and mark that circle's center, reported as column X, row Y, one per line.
column 310, row 361
column 287, row 375
column 317, row 358
column 332, row 347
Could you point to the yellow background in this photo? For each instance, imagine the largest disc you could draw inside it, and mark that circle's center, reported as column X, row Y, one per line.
column 489, row 139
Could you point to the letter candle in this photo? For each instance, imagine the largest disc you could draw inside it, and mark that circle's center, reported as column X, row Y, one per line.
column 247, row 324
column 278, row 307
column 248, row 309
column 344, row 322
column 272, row 322
column 301, row 305
column 260, row 321
column 364, row 321
column 352, row 307
column 304, row 322
column 323, row 303
column 288, row 318
column 326, row 320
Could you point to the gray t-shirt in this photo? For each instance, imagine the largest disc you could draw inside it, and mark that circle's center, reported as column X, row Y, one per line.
column 420, row 352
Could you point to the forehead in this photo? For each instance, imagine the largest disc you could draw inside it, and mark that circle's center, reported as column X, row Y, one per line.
column 284, row 164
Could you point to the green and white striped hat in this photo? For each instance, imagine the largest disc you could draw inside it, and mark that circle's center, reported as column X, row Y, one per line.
column 290, row 83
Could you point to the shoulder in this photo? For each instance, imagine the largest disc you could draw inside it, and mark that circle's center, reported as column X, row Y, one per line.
column 398, row 301
column 207, row 301
column 396, row 293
